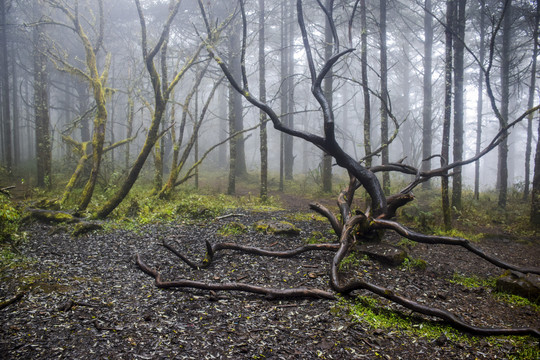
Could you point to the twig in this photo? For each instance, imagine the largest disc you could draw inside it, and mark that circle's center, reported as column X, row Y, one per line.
column 6, row 303
column 228, row 216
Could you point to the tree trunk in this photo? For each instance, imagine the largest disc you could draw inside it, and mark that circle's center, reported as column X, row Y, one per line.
column 384, row 95
column 459, row 48
column 535, row 201
column 427, row 139
column 365, row 83
column 41, row 111
column 326, row 170
column 196, row 138
column 129, row 130
column 284, row 93
column 231, row 188
column 530, row 103
column 480, row 101
column 445, row 151
column 505, row 98
column 16, row 119
column 262, row 96
column 237, row 114
column 289, row 140
column 4, row 74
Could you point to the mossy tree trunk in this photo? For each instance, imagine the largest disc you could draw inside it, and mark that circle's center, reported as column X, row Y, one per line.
column 41, row 110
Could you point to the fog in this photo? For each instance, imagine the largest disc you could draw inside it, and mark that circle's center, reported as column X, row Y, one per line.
column 57, row 31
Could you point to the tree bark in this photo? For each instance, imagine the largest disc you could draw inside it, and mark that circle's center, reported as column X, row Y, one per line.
column 365, row 83
column 262, row 115
column 535, row 201
column 326, row 170
column 505, row 99
column 480, row 101
column 41, row 111
column 289, row 140
column 384, row 95
column 445, row 151
column 459, row 47
column 530, row 103
column 427, row 121
column 4, row 74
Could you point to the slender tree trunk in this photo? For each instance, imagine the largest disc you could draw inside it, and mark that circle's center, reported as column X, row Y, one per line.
column 196, row 135
column 384, row 95
column 328, row 93
column 289, row 140
column 427, row 121
column 505, row 98
column 4, row 74
column 262, row 97
column 445, row 152
column 407, row 127
column 535, row 201
column 480, row 101
column 222, row 105
column 231, row 189
column 284, row 93
column 83, row 106
column 459, row 48
column 238, row 121
column 16, row 119
column 129, row 130
column 365, row 83
column 530, row 103
column 41, row 111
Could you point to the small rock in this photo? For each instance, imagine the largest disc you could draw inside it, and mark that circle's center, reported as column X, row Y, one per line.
column 384, row 253
column 441, row 340
column 276, row 227
column 516, row 283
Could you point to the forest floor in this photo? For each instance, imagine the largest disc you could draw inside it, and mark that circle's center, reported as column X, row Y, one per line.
column 86, row 298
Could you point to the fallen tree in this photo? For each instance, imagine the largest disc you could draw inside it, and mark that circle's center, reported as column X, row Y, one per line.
column 351, row 227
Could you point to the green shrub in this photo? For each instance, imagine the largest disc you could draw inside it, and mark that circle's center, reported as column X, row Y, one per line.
column 10, row 218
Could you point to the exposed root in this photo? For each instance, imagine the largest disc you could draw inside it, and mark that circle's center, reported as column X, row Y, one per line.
column 212, row 249
column 357, row 284
column 350, row 227
column 269, row 293
column 430, row 239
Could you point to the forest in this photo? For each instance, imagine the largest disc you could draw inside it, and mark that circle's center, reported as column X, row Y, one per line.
column 284, row 179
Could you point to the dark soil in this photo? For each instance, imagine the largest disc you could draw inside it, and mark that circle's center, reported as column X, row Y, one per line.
column 86, row 299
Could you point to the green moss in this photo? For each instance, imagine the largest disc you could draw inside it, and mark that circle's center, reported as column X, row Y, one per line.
column 472, row 282
column 316, row 237
column 301, row 216
column 232, row 229
column 10, row 218
column 276, row 227
column 371, row 312
column 414, row 264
